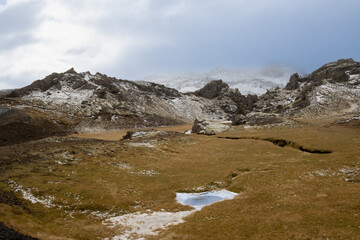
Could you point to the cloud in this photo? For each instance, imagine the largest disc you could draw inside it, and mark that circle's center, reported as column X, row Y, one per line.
column 132, row 39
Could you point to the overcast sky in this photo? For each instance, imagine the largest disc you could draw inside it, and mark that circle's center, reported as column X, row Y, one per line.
column 131, row 39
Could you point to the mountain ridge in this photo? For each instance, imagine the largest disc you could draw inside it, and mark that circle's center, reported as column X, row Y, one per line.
column 88, row 102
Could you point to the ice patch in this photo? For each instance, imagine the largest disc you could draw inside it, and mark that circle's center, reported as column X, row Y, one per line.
column 200, row 200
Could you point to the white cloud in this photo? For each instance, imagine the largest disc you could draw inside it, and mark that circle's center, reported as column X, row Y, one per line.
column 69, row 36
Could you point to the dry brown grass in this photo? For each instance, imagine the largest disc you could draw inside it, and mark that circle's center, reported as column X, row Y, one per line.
column 285, row 193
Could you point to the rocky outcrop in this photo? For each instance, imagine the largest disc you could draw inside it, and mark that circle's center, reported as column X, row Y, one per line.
column 293, row 83
column 98, row 101
column 207, row 127
column 148, row 134
column 212, row 90
column 230, row 100
column 257, row 119
column 200, row 127
column 331, row 90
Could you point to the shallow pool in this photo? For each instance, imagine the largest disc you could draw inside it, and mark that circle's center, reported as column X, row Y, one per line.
column 200, row 200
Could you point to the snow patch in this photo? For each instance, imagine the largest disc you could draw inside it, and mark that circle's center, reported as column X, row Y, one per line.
column 146, row 173
column 141, row 224
column 27, row 195
column 87, row 77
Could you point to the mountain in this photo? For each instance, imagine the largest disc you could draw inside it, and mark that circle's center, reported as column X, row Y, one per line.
column 333, row 90
column 66, row 102
column 87, row 102
column 247, row 81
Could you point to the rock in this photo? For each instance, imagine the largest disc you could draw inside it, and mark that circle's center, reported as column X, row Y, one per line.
column 146, row 134
column 293, row 83
column 209, row 127
column 257, row 119
column 247, row 104
column 238, row 119
column 230, row 100
column 128, row 135
column 263, row 119
column 199, row 127
column 71, row 70
column 212, row 89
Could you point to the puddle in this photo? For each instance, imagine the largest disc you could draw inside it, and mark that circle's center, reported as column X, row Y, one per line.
column 200, row 200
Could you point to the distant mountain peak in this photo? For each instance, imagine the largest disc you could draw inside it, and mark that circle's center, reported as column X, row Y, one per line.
column 256, row 81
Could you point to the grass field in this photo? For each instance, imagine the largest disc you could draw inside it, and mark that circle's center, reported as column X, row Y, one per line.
column 284, row 193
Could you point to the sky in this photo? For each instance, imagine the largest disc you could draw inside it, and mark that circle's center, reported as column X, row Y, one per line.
column 131, row 39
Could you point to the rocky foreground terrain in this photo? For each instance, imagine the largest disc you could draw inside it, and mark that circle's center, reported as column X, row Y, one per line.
column 291, row 155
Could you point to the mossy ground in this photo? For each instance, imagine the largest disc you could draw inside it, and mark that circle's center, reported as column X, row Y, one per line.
column 284, row 193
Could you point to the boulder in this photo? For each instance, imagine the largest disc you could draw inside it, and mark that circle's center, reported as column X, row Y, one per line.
column 238, row 119
column 201, row 127
column 210, row 127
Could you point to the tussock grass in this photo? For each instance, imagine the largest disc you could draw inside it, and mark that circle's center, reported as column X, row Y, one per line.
column 283, row 192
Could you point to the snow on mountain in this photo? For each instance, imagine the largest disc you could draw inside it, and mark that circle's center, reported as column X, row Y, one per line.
column 253, row 81
column 332, row 91
column 97, row 101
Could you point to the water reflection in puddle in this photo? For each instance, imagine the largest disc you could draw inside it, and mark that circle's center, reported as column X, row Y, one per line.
column 200, row 200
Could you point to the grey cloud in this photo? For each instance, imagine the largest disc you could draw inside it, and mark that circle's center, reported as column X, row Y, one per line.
column 20, row 17
column 16, row 23
column 12, row 41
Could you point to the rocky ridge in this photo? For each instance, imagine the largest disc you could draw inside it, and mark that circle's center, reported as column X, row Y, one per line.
column 332, row 90
column 122, row 103
column 86, row 102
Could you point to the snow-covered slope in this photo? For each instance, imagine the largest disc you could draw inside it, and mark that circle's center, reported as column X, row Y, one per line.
column 255, row 81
